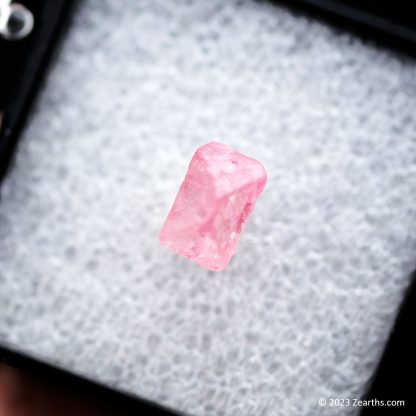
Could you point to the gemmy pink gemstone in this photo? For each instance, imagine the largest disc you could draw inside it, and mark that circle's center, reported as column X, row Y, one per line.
column 213, row 203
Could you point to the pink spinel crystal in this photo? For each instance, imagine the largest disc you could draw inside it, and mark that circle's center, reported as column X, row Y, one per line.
column 213, row 203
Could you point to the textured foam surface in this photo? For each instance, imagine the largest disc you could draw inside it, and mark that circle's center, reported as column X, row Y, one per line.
column 307, row 303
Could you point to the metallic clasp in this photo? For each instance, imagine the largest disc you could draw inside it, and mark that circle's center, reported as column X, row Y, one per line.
column 16, row 21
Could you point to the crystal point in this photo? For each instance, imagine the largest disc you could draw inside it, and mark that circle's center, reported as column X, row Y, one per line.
column 213, row 203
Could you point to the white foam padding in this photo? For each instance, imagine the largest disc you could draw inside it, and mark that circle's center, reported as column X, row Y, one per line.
column 306, row 305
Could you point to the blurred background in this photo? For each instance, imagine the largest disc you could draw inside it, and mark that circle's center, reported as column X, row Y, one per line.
column 21, row 395
column 322, row 94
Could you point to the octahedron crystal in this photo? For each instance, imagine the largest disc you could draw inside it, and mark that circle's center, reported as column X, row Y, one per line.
column 213, row 203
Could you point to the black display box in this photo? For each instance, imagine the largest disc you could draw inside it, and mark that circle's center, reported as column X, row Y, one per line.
column 23, row 65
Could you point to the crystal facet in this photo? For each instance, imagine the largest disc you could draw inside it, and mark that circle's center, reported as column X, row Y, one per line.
column 213, row 203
